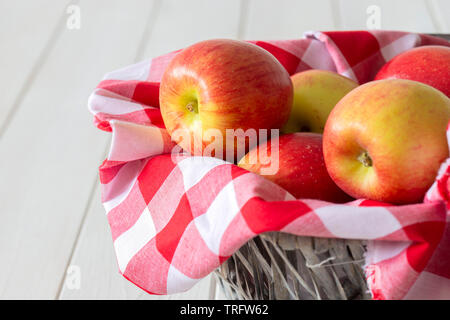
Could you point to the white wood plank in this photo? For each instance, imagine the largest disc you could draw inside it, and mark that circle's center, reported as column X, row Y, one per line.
column 26, row 33
column 51, row 151
column 99, row 276
column 94, row 252
column 286, row 19
column 182, row 23
column 404, row 15
column 441, row 10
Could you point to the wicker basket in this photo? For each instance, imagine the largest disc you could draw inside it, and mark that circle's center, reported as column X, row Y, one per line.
column 282, row 266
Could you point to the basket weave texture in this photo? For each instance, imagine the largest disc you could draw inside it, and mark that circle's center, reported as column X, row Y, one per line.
column 280, row 266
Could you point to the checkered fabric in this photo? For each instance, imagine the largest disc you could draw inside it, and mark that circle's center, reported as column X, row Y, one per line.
column 174, row 219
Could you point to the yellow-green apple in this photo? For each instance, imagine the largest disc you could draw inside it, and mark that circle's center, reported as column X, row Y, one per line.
column 316, row 92
column 218, row 85
column 427, row 64
column 386, row 139
column 301, row 167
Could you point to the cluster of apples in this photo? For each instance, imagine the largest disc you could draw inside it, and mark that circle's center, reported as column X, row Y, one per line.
column 384, row 140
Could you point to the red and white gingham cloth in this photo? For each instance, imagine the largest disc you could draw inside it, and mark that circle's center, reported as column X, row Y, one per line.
column 173, row 221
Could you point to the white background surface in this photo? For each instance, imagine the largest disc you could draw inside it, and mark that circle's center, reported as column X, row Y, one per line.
column 52, row 220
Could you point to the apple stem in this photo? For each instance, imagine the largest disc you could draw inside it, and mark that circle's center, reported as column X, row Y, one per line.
column 365, row 159
column 191, row 106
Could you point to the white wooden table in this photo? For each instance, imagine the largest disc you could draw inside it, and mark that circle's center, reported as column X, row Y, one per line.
column 54, row 237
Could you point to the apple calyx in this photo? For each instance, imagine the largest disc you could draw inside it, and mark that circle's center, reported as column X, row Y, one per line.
column 192, row 106
column 365, row 159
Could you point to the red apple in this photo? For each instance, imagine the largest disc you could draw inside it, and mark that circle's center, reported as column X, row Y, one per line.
column 299, row 166
column 386, row 139
column 216, row 85
column 427, row 64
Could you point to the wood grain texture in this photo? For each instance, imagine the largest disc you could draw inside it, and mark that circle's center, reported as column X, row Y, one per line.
column 94, row 250
column 95, row 259
column 52, row 217
column 286, row 19
column 51, row 150
column 182, row 23
column 404, row 15
column 28, row 30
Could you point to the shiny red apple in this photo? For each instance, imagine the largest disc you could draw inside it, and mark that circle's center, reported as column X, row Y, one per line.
column 426, row 64
column 299, row 166
column 219, row 85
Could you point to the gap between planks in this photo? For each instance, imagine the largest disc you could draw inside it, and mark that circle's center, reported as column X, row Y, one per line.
column 35, row 69
column 153, row 12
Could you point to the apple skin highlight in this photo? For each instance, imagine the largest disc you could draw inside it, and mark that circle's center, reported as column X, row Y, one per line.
column 426, row 64
column 301, row 167
column 386, row 140
column 223, row 84
column 316, row 92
